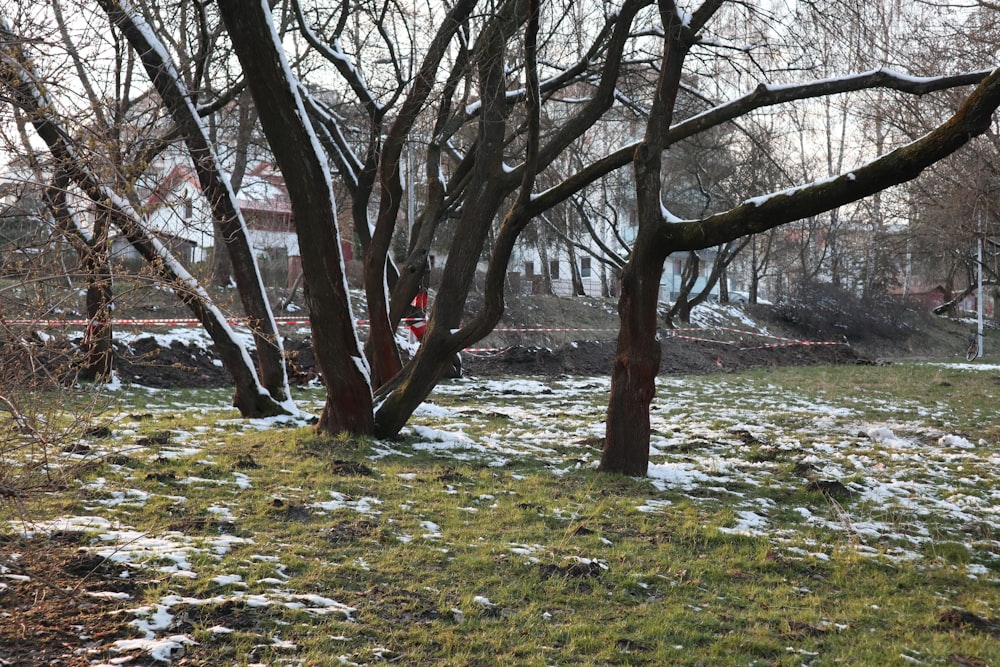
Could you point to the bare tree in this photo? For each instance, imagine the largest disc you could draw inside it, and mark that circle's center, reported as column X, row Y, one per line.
column 957, row 194
column 467, row 86
column 660, row 233
column 215, row 186
column 474, row 131
column 22, row 84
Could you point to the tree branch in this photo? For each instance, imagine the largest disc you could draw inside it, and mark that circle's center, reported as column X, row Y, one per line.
column 762, row 96
column 899, row 166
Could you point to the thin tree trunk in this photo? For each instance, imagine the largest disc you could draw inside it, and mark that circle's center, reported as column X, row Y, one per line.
column 222, row 266
column 574, row 271
column 681, row 308
column 92, row 251
column 543, row 259
column 225, row 209
column 20, row 80
column 98, row 358
column 283, row 304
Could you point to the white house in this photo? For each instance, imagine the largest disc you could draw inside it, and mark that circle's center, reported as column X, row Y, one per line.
column 179, row 213
column 527, row 267
column 671, row 280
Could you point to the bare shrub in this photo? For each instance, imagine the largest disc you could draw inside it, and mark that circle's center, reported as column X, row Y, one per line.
column 45, row 417
column 817, row 309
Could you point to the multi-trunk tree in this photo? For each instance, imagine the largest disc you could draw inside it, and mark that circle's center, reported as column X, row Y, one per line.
column 348, row 100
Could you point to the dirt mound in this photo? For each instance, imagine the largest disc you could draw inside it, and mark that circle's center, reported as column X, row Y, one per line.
column 146, row 362
column 679, row 357
column 185, row 365
column 577, row 358
column 548, row 335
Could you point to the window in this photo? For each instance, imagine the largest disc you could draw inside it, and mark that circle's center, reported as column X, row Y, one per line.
column 529, row 268
column 584, row 267
column 554, row 269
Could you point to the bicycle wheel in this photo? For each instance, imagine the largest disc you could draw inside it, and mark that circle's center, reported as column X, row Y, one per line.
column 973, row 352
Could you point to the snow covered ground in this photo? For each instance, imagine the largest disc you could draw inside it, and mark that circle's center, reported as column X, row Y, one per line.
column 714, row 441
column 794, row 470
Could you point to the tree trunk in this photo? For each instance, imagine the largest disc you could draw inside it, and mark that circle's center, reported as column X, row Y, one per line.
column 753, row 288
column 408, row 389
column 97, row 348
column 543, row 259
column 724, row 256
column 221, row 273
column 633, row 373
column 222, row 267
column 92, row 251
column 681, row 308
column 574, row 271
column 296, row 150
column 637, row 361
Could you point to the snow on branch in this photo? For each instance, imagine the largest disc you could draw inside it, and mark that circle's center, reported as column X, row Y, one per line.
column 332, row 138
column 766, row 95
column 344, row 65
column 762, row 96
column 898, row 166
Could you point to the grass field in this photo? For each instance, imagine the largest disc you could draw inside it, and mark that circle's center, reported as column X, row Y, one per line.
column 816, row 516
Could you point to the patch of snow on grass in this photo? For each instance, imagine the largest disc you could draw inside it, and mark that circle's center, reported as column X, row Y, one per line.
column 967, row 367
column 747, row 523
column 684, row 476
column 907, row 468
column 652, row 505
column 229, row 580
column 431, row 410
column 955, row 441
column 167, row 649
column 127, row 498
column 364, row 505
column 132, row 548
column 433, row 530
column 885, row 436
column 221, row 511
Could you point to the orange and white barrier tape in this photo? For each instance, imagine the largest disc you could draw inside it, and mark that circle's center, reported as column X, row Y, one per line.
column 782, row 341
column 419, row 323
